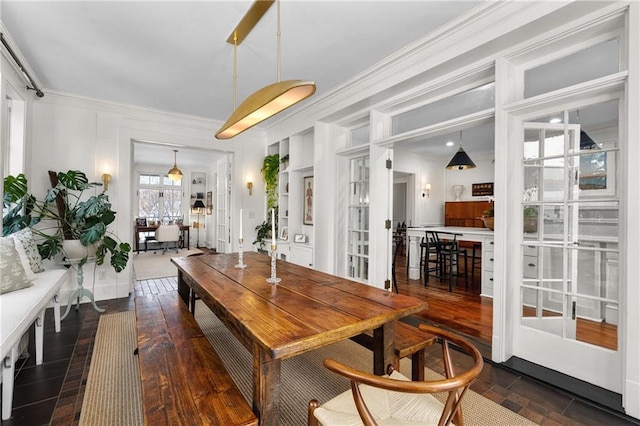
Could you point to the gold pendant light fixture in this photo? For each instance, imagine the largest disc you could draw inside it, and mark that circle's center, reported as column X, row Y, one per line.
column 175, row 174
column 460, row 160
column 271, row 99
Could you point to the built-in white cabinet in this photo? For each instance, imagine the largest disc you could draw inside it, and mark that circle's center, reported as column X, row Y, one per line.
column 296, row 209
column 301, row 254
column 487, row 268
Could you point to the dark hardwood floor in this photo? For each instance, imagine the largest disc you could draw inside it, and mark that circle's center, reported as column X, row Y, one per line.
column 51, row 394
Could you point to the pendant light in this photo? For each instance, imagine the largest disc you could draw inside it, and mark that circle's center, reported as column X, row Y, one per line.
column 175, row 174
column 460, row 160
column 271, row 99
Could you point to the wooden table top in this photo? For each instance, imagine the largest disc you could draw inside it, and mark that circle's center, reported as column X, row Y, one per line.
column 308, row 309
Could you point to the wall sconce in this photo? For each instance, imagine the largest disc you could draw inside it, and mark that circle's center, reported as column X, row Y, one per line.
column 106, row 178
column 250, row 186
column 427, row 190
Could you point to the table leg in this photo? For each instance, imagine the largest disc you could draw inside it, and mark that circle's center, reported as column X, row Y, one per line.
column 184, row 289
column 383, row 349
column 266, row 387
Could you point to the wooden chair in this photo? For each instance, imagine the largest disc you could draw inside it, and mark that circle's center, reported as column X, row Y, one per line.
column 372, row 397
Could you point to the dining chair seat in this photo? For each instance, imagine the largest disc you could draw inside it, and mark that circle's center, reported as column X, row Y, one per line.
column 387, row 407
column 394, row 399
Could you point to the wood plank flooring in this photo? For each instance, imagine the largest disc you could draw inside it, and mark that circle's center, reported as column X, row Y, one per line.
column 52, row 393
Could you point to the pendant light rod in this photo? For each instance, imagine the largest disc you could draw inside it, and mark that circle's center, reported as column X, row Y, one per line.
column 271, row 99
column 249, row 20
column 278, row 50
column 235, row 68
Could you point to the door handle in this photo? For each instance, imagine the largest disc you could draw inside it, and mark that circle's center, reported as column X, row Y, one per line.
column 573, row 310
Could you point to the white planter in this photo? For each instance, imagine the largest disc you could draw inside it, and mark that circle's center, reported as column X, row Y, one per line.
column 74, row 251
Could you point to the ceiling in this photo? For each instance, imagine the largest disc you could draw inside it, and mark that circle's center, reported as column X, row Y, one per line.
column 173, row 55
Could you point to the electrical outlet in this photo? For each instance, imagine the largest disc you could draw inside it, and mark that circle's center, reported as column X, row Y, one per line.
column 102, row 274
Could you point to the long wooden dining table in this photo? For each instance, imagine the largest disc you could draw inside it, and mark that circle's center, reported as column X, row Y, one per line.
column 306, row 310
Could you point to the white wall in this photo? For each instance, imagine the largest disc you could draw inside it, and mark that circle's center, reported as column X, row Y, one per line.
column 427, row 210
column 482, row 173
column 74, row 133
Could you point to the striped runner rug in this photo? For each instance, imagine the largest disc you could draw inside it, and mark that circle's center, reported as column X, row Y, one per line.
column 113, row 393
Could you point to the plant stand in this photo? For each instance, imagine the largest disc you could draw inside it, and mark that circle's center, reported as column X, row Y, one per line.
column 80, row 292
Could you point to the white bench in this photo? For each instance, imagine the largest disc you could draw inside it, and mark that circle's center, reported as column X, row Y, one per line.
column 18, row 310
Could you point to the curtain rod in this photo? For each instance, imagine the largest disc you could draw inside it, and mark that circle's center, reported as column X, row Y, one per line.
column 33, row 86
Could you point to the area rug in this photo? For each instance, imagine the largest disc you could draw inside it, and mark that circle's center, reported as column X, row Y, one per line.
column 113, row 392
column 113, row 389
column 150, row 265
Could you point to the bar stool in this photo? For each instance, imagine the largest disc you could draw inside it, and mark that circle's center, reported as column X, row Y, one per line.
column 430, row 254
column 450, row 253
column 475, row 260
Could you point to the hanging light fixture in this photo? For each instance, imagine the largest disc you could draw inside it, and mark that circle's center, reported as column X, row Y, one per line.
column 175, row 174
column 460, row 160
column 271, row 99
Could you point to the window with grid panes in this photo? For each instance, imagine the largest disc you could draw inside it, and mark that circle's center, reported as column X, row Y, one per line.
column 159, row 198
column 358, row 223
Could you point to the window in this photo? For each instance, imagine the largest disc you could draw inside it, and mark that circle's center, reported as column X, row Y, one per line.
column 159, row 198
column 475, row 100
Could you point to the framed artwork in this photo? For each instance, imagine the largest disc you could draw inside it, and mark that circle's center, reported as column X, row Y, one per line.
column 141, row 221
column 479, row 189
column 209, row 202
column 300, row 238
column 307, row 208
column 284, row 233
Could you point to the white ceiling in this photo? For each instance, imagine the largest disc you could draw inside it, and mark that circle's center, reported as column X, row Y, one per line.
column 173, row 55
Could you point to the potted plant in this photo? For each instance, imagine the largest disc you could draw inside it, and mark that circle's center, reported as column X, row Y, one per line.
column 530, row 219
column 487, row 218
column 270, row 170
column 66, row 215
column 17, row 205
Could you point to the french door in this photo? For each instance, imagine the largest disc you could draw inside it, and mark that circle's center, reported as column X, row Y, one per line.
column 568, row 292
column 223, row 191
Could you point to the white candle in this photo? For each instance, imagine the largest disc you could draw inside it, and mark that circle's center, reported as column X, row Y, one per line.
column 273, row 227
column 240, row 224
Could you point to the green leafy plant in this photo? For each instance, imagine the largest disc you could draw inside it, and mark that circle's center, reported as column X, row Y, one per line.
column 65, row 214
column 17, row 205
column 263, row 234
column 270, row 169
column 270, row 172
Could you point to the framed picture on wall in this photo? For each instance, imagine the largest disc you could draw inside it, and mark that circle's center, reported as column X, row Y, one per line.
column 307, row 208
column 284, row 233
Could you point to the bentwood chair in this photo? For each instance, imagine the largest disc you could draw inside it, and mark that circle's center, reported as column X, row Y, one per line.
column 166, row 234
column 394, row 399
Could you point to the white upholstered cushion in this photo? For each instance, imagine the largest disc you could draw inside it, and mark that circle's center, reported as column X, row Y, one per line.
column 388, row 408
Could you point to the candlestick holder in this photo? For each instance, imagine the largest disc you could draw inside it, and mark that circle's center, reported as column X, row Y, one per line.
column 240, row 264
column 273, row 279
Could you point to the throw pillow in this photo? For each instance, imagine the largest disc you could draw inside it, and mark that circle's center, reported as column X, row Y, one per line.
column 25, row 237
column 24, row 260
column 12, row 274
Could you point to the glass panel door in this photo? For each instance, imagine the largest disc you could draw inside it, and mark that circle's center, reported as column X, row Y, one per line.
column 358, row 214
column 569, row 248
